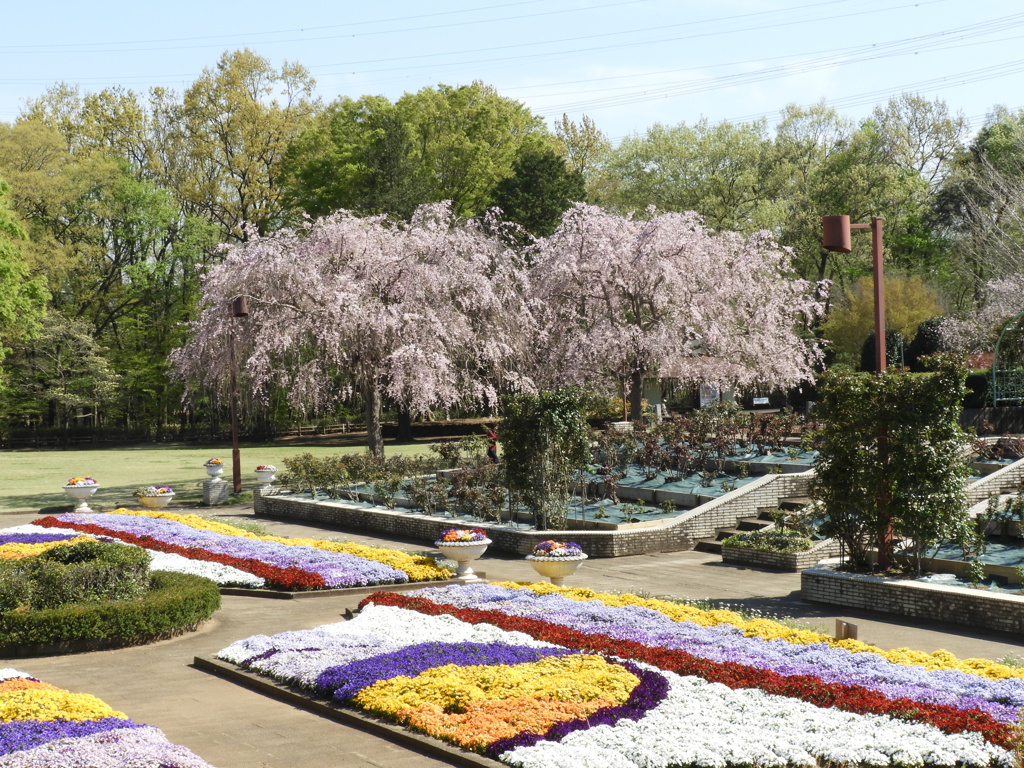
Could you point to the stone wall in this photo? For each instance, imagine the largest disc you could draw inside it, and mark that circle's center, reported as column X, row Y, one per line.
column 676, row 534
column 967, row 607
column 1004, row 480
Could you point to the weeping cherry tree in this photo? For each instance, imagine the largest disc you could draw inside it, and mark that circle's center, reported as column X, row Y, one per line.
column 427, row 313
column 627, row 297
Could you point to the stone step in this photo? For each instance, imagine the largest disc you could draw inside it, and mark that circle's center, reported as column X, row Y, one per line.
column 753, row 523
column 794, row 502
column 708, row 545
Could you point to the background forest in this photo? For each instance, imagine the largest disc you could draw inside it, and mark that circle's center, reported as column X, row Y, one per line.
column 114, row 204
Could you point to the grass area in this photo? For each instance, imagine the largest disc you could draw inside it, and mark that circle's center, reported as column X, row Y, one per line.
column 33, row 480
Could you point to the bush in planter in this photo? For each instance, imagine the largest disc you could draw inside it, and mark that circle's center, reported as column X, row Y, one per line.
column 175, row 603
column 779, row 540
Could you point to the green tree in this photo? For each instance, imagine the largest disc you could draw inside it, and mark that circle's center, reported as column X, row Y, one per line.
column 62, row 377
column 21, row 298
column 909, row 301
column 890, row 465
column 224, row 141
column 721, row 171
column 539, row 191
column 545, row 442
column 444, row 143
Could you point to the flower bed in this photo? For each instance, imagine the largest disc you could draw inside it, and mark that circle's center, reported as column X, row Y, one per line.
column 540, row 676
column 281, row 563
column 42, row 726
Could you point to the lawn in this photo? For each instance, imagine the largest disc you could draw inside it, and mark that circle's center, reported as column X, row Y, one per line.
column 33, row 480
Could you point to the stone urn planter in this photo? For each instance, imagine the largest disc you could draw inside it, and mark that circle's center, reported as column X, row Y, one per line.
column 81, row 489
column 463, row 547
column 215, row 468
column 556, row 560
column 265, row 474
column 154, row 496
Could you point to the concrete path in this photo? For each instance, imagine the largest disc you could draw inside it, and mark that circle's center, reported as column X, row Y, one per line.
column 231, row 727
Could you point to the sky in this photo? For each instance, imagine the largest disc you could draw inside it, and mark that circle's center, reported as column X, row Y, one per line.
column 627, row 64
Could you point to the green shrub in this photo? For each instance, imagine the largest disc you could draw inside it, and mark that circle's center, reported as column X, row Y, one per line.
column 176, row 603
column 770, row 540
column 88, row 571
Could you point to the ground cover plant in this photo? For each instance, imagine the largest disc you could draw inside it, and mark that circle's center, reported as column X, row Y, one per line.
column 42, row 726
column 281, row 563
column 538, row 676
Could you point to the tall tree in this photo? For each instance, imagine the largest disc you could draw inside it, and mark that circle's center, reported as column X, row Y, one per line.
column 21, row 297
column 539, row 191
column 630, row 298
column 721, row 171
column 426, row 313
column 444, row 143
column 225, row 140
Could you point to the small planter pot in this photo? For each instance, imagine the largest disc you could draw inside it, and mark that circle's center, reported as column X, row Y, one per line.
column 556, row 568
column 463, row 553
column 155, row 502
column 215, row 471
column 81, row 494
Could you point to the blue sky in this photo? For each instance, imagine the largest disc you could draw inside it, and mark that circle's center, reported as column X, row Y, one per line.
column 626, row 63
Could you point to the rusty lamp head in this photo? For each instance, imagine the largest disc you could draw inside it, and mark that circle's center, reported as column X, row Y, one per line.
column 239, row 307
column 835, row 233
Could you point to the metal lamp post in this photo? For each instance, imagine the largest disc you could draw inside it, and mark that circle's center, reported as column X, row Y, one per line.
column 239, row 307
column 835, row 236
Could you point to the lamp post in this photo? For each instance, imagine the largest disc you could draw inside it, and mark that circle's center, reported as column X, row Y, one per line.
column 239, row 307
column 835, row 236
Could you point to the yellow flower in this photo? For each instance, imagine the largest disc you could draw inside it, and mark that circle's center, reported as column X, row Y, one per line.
column 52, row 704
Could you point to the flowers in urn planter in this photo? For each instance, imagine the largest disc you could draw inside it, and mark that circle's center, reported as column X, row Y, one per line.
column 266, row 468
column 459, row 535
column 212, row 462
column 551, row 548
column 79, row 482
column 153, row 490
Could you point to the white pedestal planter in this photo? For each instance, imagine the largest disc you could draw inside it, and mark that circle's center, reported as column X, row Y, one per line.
column 463, row 553
column 265, row 477
column 81, row 495
column 215, row 471
column 155, row 502
column 556, row 568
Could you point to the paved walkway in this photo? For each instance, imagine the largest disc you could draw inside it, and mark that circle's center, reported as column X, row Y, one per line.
column 231, row 727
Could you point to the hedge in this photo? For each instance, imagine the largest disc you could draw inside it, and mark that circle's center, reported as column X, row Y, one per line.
column 176, row 603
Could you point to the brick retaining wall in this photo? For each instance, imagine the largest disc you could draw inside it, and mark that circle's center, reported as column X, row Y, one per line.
column 967, row 607
column 783, row 561
column 676, row 534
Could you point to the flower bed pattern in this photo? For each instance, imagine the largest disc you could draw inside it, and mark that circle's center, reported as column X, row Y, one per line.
column 42, row 726
column 292, row 564
column 536, row 677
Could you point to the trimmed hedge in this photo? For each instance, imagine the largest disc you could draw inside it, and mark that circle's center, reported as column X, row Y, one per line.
column 780, row 540
column 176, row 603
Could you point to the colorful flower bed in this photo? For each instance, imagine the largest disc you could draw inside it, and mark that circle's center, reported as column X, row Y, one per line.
column 542, row 677
column 80, row 482
column 293, row 564
column 42, row 726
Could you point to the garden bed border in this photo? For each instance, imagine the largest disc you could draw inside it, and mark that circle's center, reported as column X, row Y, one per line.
column 676, row 534
column 903, row 597
column 394, row 733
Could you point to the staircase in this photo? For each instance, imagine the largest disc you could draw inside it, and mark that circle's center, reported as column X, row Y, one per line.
column 756, row 522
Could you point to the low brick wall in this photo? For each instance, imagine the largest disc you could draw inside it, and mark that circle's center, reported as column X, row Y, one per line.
column 782, row 561
column 679, row 533
column 967, row 607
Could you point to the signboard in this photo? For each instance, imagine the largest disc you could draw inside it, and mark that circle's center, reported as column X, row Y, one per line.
column 708, row 395
column 760, row 401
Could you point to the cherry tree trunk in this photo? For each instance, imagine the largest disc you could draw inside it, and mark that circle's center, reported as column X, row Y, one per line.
column 636, row 396
column 371, row 398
